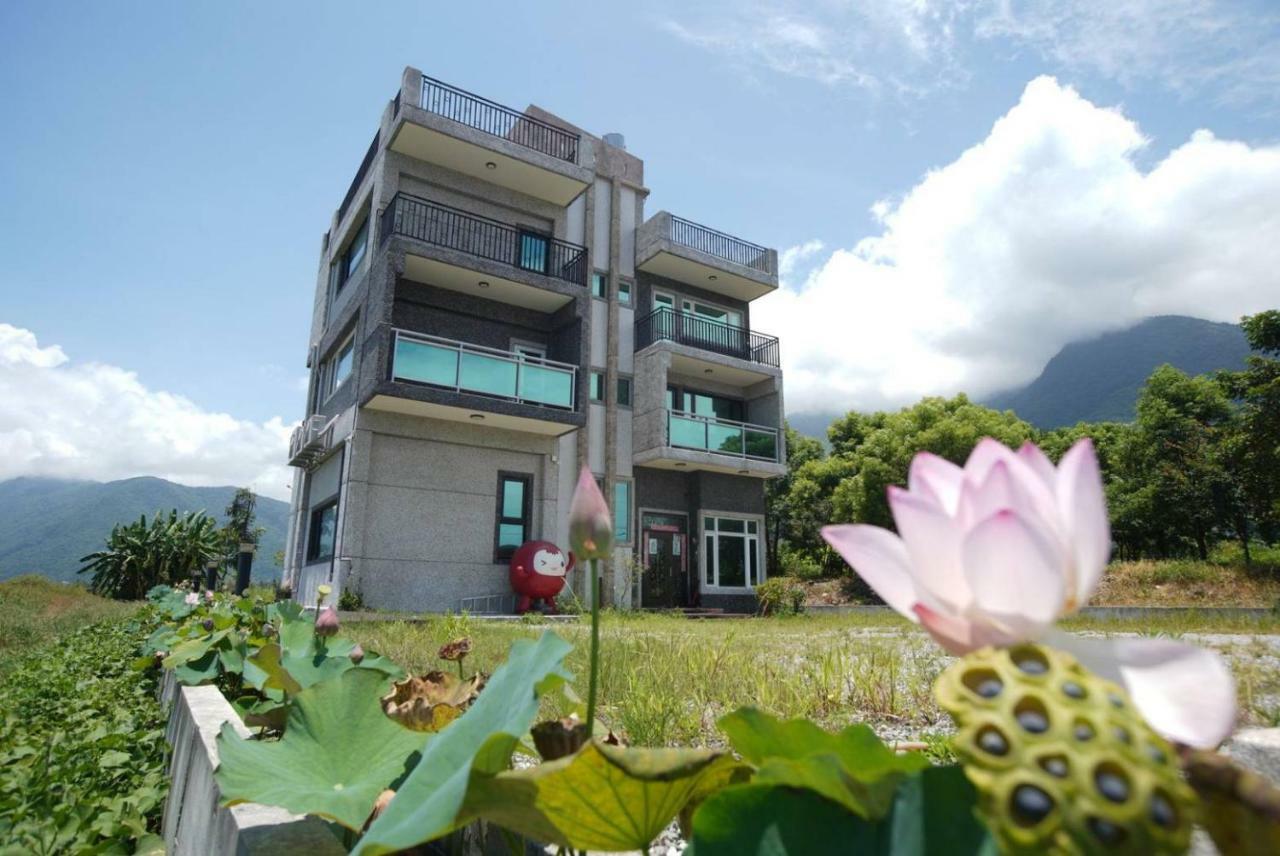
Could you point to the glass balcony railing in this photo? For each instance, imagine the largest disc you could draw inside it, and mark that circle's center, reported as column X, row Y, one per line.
column 722, row 436
column 444, row 363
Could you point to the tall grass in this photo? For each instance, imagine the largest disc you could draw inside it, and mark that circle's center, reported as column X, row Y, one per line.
column 34, row 610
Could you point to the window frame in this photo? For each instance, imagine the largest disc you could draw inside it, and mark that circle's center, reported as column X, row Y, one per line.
column 629, row 484
column 631, row 389
column 603, row 277
column 536, row 235
column 333, row 382
column 710, row 557
column 592, row 375
column 501, row 556
column 312, row 555
column 345, row 271
column 626, row 292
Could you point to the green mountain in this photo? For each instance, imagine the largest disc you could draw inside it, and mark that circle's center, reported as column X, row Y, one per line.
column 1100, row 379
column 46, row 525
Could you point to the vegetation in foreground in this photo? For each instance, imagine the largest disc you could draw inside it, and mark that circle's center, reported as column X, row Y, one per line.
column 35, row 610
column 81, row 742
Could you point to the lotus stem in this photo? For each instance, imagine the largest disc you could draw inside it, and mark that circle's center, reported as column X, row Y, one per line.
column 595, row 647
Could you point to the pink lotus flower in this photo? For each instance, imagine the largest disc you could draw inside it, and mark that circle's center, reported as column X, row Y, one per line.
column 996, row 552
column 191, row 599
column 590, row 527
column 209, row 595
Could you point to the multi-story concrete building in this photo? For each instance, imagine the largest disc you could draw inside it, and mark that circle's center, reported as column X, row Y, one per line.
column 493, row 310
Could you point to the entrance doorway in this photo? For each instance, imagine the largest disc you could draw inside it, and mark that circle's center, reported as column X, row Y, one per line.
column 664, row 555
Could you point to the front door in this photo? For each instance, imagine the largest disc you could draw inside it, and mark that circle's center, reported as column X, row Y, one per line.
column 665, row 582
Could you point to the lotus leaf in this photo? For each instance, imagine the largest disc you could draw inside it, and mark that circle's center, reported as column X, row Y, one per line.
column 851, row 767
column 431, row 702
column 338, row 753
column 428, row 803
column 602, row 798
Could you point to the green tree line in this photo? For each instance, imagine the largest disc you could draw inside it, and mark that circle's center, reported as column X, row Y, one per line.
column 1199, row 464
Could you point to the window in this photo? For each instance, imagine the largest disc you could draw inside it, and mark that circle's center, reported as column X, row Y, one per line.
column 597, row 386
column 352, row 255
column 528, row 349
column 622, row 511
column 732, row 556
column 514, row 502
column 624, row 292
column 534, row 252
column 323, row 529
column 599, row 284
column 342, row 364
column 663, row 301
column 624, row 392
column 713, row 313
column 703, row 404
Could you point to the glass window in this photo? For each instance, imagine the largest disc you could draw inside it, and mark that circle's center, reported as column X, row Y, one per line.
column 663, row 301
column 622, row 511
column 599, row 284
column 597, row 386
column 353, row 254
column 624, row 391
column 324, row 528
column 513, row 515
column 732, row 558
column 624, row 293
column 534, row 252
column 343, row 362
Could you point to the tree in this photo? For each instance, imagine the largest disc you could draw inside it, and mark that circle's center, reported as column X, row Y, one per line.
column 777, row 492
column 139, row 556
column 1254, row 452
column 240, row 528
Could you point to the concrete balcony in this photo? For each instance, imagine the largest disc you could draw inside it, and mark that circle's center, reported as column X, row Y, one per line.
column 441, row 378
column 445, row 125
column 693, row 441
column 474, row 255
column 684, row 251
column 694, row 336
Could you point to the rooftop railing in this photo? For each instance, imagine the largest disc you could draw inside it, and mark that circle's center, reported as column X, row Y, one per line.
column 484, row 238
column 493, row 118
column 686, row 233
column 706, row 334
column 722, row 436
column 462, row 367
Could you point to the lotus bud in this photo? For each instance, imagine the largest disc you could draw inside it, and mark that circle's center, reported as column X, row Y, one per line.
column 590, row 529
column 327, row 622
column 357, row 654
column 208, row 595
column 268, row 630
column 380, row 804
column 322, row 592
column 207, row 624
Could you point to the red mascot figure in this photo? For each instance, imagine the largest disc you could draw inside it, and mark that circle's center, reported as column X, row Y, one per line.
column 538, row 570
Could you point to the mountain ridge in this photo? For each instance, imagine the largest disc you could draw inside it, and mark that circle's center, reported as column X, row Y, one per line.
column 47, row 524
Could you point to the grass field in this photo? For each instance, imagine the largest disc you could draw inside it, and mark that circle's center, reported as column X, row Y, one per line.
column 35, row 610
column 665, row 680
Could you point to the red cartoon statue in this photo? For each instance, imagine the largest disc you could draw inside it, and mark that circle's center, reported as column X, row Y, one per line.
column 538, row 571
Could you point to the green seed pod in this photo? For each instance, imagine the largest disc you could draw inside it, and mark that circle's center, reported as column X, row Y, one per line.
column 1062, row 760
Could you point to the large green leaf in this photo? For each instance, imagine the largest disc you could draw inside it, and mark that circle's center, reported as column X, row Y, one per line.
column 299, row 660
column 851, row 767
column 339, row 751
column 600, row 798
column 932, row 815
column 429, row 802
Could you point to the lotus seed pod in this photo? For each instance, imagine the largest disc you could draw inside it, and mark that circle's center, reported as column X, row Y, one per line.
column 323, row 591
column 1062, row 761
column 327, row 622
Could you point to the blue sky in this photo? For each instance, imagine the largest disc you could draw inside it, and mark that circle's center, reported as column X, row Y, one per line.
column 167, row 169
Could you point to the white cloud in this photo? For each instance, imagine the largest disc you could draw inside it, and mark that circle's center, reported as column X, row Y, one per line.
column 1045, row 232
column 69, row 419
column 793, row 260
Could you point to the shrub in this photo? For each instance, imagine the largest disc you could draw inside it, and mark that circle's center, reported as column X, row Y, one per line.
column 350, row 601
column 797, row 564
column 142, row 555
column 780, row 596
column 1262, row 556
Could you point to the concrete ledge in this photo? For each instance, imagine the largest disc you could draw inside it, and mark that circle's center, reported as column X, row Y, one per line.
column 194, row 823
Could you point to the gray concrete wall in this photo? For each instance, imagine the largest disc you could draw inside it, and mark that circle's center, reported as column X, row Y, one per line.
column 419, row 529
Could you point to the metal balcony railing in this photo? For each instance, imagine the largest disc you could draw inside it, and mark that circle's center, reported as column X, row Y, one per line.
column 686, row 233
column 461, row 367
column 493, row 118
column 706, row 334
column 722, row 436
column 484, row 238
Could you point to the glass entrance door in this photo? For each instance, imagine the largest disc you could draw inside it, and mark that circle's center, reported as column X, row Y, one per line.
column 664, row 583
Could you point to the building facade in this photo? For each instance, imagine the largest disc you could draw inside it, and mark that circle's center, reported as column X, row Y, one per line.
column 493, row 310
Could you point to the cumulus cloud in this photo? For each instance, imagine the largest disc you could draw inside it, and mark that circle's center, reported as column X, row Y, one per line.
column 1045, row 232
column 68, row 419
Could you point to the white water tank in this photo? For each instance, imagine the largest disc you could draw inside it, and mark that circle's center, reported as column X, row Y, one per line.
column 616, row 140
